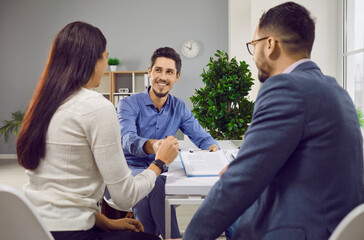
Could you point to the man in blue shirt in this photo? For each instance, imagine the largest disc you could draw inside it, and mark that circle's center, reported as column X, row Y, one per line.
column 145, row 120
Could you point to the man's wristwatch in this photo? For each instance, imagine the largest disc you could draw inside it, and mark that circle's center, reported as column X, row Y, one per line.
column 159, row 163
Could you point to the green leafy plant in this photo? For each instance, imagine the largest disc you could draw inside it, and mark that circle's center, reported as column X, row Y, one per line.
column 222, row 106
column 113, row 61
column 360, row 117
column 12, row 125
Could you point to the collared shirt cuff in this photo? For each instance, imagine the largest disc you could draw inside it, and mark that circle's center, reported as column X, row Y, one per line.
column 140, row 151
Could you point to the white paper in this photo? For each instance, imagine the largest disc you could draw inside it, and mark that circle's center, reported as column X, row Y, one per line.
column 203, row 163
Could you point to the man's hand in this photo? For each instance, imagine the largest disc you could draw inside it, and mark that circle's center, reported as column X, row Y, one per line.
column 223, row 170
column 152, row 145
column 213, row 148
column 157, row 144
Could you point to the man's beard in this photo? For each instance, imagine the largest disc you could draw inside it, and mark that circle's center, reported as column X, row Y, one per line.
column 263, row 70
column 160, row 95
column 262, row 75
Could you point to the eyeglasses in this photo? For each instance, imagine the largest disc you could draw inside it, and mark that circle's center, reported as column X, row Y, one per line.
column 251, row 45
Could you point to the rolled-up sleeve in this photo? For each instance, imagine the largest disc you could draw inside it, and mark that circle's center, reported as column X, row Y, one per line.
column 131, row 142
column 193, row 129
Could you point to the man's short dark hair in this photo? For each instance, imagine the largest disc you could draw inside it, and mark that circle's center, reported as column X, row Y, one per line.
column 294, row 25
column 167, row 52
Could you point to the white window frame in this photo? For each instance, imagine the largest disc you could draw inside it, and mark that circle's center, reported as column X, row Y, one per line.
column 343, row 48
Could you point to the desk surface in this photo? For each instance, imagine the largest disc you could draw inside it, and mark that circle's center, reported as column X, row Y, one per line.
column 178, row 183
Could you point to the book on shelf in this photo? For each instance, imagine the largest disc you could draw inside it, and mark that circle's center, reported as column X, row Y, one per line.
column 202, row 163
column 146, row 81
column 117, row 99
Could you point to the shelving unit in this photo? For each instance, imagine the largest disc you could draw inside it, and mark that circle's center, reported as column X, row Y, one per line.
column 105, row 87
column 119, row 84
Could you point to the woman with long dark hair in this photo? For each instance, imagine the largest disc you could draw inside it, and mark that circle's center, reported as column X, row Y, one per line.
column 70, row 144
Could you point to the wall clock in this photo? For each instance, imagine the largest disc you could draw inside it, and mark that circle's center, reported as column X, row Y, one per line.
column 190, row 48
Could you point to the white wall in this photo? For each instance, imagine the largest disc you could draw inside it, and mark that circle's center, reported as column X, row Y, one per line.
column 241, row 31
column 325, row 50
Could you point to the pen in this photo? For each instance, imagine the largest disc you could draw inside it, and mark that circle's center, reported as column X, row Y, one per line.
column 199, row 150
column 178, row 149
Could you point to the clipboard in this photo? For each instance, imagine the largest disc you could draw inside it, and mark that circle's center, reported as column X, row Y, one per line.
column 203, row 163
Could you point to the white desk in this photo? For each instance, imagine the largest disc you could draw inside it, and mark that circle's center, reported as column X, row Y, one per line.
column 181, row 189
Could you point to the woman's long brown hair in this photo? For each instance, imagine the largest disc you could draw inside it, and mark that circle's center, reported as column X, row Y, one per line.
column 70, row 65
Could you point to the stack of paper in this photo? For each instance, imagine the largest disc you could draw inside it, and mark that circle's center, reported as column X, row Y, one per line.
column 203, row 163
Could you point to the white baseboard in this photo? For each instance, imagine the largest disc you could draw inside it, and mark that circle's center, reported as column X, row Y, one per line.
column 8, row 156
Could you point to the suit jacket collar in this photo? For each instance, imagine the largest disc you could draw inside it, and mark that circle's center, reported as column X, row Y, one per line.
column 310, row 65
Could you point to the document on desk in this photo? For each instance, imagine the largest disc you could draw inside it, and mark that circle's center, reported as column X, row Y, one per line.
column 203, row 163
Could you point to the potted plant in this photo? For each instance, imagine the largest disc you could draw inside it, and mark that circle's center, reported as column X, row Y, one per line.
column 360, row 117
column 222, row 106
column 12, row 125
column 113, row 63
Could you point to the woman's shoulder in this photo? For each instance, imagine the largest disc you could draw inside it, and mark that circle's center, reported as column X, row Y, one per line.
column 86, row 101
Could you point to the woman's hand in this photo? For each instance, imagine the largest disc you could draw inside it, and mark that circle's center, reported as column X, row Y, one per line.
column 168, row 150
column 223, row 170
column 122, row 224
column 126, row 224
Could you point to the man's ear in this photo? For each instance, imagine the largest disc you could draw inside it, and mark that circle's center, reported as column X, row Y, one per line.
column 178, row 75
column 273, row 49
column 149, row 72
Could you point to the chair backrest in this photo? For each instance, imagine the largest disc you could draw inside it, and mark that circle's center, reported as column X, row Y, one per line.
column 351, row 227
column 18, row 217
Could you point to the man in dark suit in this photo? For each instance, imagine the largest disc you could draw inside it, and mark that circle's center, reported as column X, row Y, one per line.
column 299, row 170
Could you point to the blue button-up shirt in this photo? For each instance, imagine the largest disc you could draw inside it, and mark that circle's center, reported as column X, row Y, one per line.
column 140, row 121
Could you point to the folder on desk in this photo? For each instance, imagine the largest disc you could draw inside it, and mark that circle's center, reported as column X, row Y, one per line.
column 203, row 163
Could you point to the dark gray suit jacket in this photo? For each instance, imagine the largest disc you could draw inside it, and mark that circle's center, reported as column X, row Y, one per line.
column 299, row 170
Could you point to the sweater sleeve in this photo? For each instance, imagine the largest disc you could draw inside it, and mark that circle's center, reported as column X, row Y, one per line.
column 103, row 134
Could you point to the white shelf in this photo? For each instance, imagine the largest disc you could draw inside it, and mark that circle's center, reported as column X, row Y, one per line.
column 135, row 81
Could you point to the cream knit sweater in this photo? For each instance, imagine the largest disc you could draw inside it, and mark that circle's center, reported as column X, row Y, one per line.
column 83, row 153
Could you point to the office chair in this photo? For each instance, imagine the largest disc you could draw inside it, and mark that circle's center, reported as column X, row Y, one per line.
column 351, row 227
column 18, row 217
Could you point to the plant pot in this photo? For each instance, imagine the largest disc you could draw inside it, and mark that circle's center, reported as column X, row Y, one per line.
column 113, row 68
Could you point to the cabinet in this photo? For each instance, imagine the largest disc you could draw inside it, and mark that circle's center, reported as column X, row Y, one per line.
column 120, row 84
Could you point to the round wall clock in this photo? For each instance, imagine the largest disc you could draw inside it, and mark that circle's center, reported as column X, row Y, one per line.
column 190, row 48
